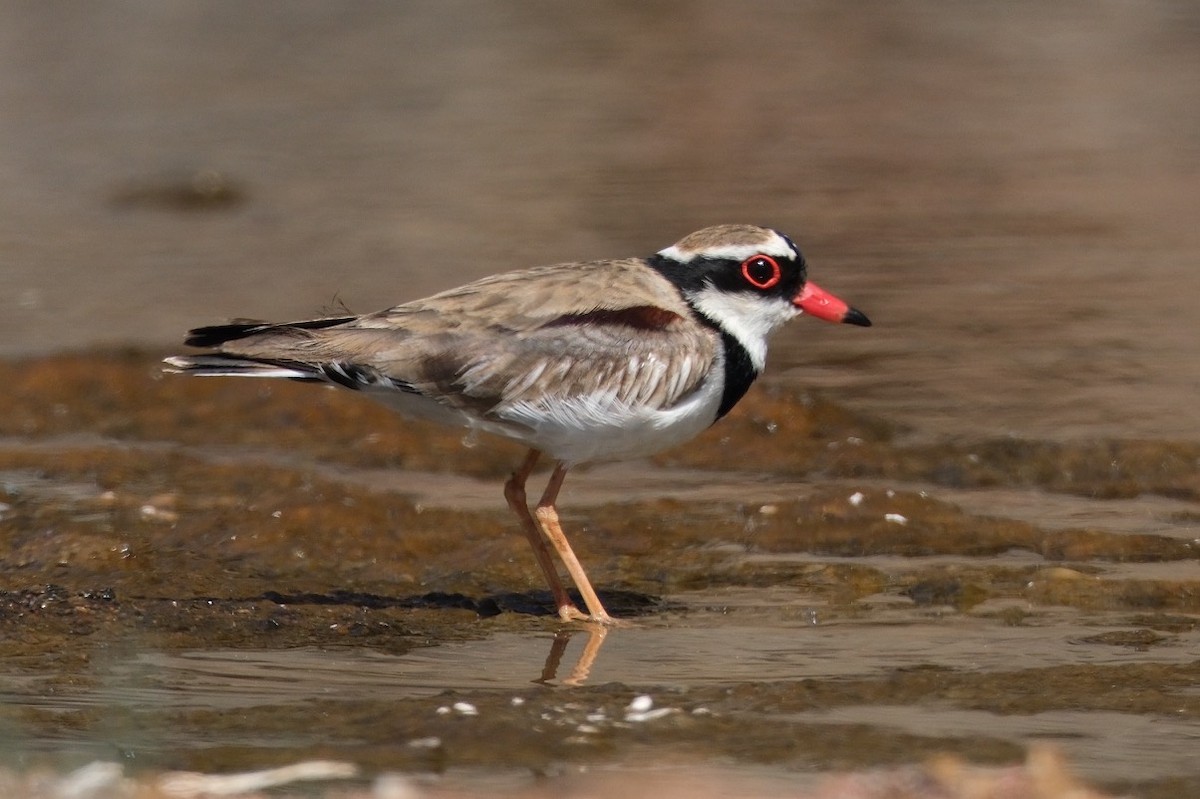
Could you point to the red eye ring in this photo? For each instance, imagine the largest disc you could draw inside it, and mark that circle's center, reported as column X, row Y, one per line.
column 752, row 270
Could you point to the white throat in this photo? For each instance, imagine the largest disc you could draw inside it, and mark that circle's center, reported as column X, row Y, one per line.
column 747, row 318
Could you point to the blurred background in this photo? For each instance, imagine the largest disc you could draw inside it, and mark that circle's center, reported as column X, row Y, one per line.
column 970, row 528
column 1010, row 190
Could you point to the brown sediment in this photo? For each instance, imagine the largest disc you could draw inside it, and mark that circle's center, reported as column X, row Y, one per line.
column 148, row 521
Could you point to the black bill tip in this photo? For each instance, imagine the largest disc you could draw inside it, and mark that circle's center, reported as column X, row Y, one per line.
column 856, row 317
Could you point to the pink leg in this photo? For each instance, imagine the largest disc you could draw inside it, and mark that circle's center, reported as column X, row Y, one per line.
column 514, row 492
column 547, row 518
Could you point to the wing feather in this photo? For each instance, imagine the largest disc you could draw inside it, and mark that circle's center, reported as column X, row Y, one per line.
column 611, row 329
column 654, row 369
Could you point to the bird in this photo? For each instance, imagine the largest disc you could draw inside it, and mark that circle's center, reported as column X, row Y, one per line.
column 582, row 362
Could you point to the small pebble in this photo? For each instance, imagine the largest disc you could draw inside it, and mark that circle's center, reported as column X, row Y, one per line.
column 641, row 704
column 649, row 715
column 895, row 518
column 95, row 779
column 154, row 513
column 642, row 709
column 856, row 498
column 394, row 786
column 432, row 742
column 466, row 708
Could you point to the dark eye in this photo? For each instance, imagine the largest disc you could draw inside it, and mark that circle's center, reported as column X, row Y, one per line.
column 761, row 271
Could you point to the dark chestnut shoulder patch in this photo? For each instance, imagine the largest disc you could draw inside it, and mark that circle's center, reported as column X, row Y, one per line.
column 638, row 317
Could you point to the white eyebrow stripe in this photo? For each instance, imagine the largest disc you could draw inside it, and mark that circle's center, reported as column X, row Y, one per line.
column 776, row 246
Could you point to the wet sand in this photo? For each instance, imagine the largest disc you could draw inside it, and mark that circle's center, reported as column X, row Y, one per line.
column 965, row 531
column 194, row 579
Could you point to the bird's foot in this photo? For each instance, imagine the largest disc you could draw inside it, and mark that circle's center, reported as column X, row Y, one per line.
column 571, row 613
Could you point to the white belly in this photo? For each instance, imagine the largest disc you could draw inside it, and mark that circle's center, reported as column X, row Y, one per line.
column 580, row 429
column 590, row 429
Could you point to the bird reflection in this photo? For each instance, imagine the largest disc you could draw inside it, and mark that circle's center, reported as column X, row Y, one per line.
column 596, row 633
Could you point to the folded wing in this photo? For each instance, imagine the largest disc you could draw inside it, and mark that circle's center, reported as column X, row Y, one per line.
column 521, row 339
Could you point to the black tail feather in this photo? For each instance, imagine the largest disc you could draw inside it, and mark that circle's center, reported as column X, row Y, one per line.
column 215, row 335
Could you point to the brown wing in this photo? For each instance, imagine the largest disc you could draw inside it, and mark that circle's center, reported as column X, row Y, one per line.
column 568, row 358
column 571, row 330
column 531, row 298
column 559, row 331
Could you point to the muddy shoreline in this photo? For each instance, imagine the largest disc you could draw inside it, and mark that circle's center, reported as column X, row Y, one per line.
column 160, row 564
column 968, row 532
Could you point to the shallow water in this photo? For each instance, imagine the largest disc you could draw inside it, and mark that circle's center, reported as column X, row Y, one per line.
column 1008, row 191
column 159, row 703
